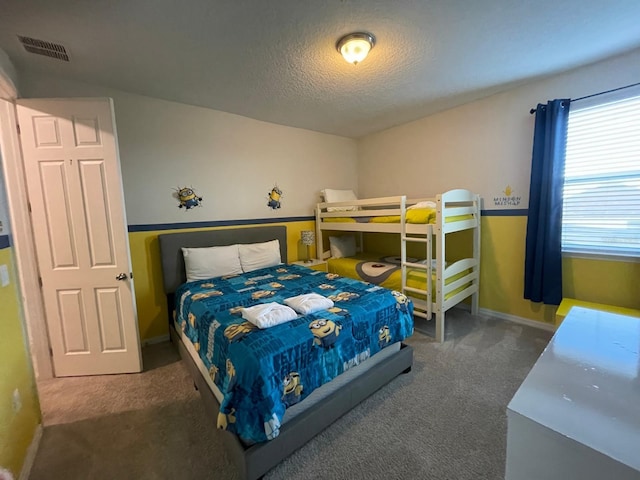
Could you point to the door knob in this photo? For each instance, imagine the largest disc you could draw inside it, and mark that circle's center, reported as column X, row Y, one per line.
column 121, row 276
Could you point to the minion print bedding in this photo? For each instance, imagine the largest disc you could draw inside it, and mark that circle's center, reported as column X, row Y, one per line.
column 262, row 372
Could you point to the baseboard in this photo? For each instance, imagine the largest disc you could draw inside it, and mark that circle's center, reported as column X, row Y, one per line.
column 485, row 312
column 31, row 454
column 152, row 340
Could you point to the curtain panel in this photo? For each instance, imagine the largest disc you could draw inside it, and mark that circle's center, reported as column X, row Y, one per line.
column 543, row 253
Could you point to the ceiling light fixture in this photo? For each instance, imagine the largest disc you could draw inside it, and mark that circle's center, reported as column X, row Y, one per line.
column 356, row 46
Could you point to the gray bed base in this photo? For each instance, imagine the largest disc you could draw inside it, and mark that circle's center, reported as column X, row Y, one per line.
column 254, row 461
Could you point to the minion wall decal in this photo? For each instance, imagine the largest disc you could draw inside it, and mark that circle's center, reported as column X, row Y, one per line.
column 188, row 198
column 274, row 197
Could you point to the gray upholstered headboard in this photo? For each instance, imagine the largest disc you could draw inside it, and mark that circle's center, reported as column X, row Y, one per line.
column 171, row 243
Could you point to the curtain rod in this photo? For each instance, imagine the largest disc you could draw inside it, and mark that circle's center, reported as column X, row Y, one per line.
column 533, row 110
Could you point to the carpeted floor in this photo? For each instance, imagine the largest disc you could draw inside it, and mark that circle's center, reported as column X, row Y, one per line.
column 444, row 420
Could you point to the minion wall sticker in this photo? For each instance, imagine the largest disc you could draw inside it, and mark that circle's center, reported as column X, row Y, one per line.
column 188, row 198
column 274, row 197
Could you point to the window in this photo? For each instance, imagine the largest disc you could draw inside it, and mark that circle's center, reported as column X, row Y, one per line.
column 601, row 207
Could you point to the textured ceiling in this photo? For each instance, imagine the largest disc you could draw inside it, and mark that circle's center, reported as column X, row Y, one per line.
column 275, row 60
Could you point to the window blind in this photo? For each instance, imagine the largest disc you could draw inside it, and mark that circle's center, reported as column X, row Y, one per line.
column 601, row 199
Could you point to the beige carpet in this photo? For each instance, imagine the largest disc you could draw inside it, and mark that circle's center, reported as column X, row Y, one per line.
column 444, row 420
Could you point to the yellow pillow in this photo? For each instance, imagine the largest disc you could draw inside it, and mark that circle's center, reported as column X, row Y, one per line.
column 421, row 215
column 414, row 215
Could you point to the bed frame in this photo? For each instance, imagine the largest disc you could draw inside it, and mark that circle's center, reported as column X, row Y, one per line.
column 456, row 210
column 254, row 461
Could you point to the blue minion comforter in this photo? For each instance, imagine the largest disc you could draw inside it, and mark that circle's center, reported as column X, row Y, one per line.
column 262, row 372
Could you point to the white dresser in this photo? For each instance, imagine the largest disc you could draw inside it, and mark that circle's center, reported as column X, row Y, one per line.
column 577, row 414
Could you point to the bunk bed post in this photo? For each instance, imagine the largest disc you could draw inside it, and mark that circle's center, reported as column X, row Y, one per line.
column 439, row 313
column 319, row 247
column 429, row 257
column 475, row 298
column 403, row 242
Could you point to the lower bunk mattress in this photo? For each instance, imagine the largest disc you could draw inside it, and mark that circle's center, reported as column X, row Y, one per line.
column 260, row 373
column 384, row 270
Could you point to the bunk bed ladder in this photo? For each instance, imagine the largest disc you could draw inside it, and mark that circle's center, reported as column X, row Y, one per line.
column 319, row 243
column 422, row 306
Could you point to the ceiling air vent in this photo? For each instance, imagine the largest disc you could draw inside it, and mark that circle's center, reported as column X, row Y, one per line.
column 42, row 47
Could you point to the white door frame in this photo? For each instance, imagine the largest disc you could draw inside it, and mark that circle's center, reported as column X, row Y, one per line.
column 22, row 235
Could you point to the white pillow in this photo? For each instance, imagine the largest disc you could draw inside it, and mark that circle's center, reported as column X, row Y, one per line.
column 331, row 196
column 425, row 204
column 208, row 262
column 342, row 246
column 259, row 255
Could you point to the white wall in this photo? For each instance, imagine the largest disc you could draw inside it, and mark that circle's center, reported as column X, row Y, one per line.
column 7, row 86
column 231, row 161
column 484, row 146
column 8, row 77
column 7, row 90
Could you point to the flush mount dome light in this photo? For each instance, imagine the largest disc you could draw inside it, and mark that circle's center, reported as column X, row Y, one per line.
column 356, row 46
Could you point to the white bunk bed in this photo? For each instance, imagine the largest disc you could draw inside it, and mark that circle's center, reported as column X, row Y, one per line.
column 456, row 210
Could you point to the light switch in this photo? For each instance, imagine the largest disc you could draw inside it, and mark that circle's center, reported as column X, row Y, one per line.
column 4, row 275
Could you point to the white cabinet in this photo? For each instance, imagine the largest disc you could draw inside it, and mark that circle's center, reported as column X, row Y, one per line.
column 577, row 414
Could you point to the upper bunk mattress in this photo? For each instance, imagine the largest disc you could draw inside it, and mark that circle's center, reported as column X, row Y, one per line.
column 417, row 215
column 262, row 372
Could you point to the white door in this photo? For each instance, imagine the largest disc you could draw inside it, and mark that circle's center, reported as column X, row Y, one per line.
column 77, row 210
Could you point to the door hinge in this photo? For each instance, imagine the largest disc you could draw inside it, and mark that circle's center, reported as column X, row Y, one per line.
column 18, row 128
column 131, row 275
column 29, row 206
column 50, row 352
column 40, row 281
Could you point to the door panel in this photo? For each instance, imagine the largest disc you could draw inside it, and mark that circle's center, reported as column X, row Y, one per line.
column 75, row 190
column 110, row 318
column 72, row 321
column 46, row 132
column 96, row 202
column 55, row 195
column 87, row 131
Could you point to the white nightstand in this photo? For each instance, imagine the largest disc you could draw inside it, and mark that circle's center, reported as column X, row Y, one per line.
column 314, row 264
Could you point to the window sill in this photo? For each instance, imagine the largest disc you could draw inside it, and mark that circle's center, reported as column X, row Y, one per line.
column 601, row 257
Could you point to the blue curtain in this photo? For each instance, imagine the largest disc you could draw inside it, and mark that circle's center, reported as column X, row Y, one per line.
column 543, row 259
